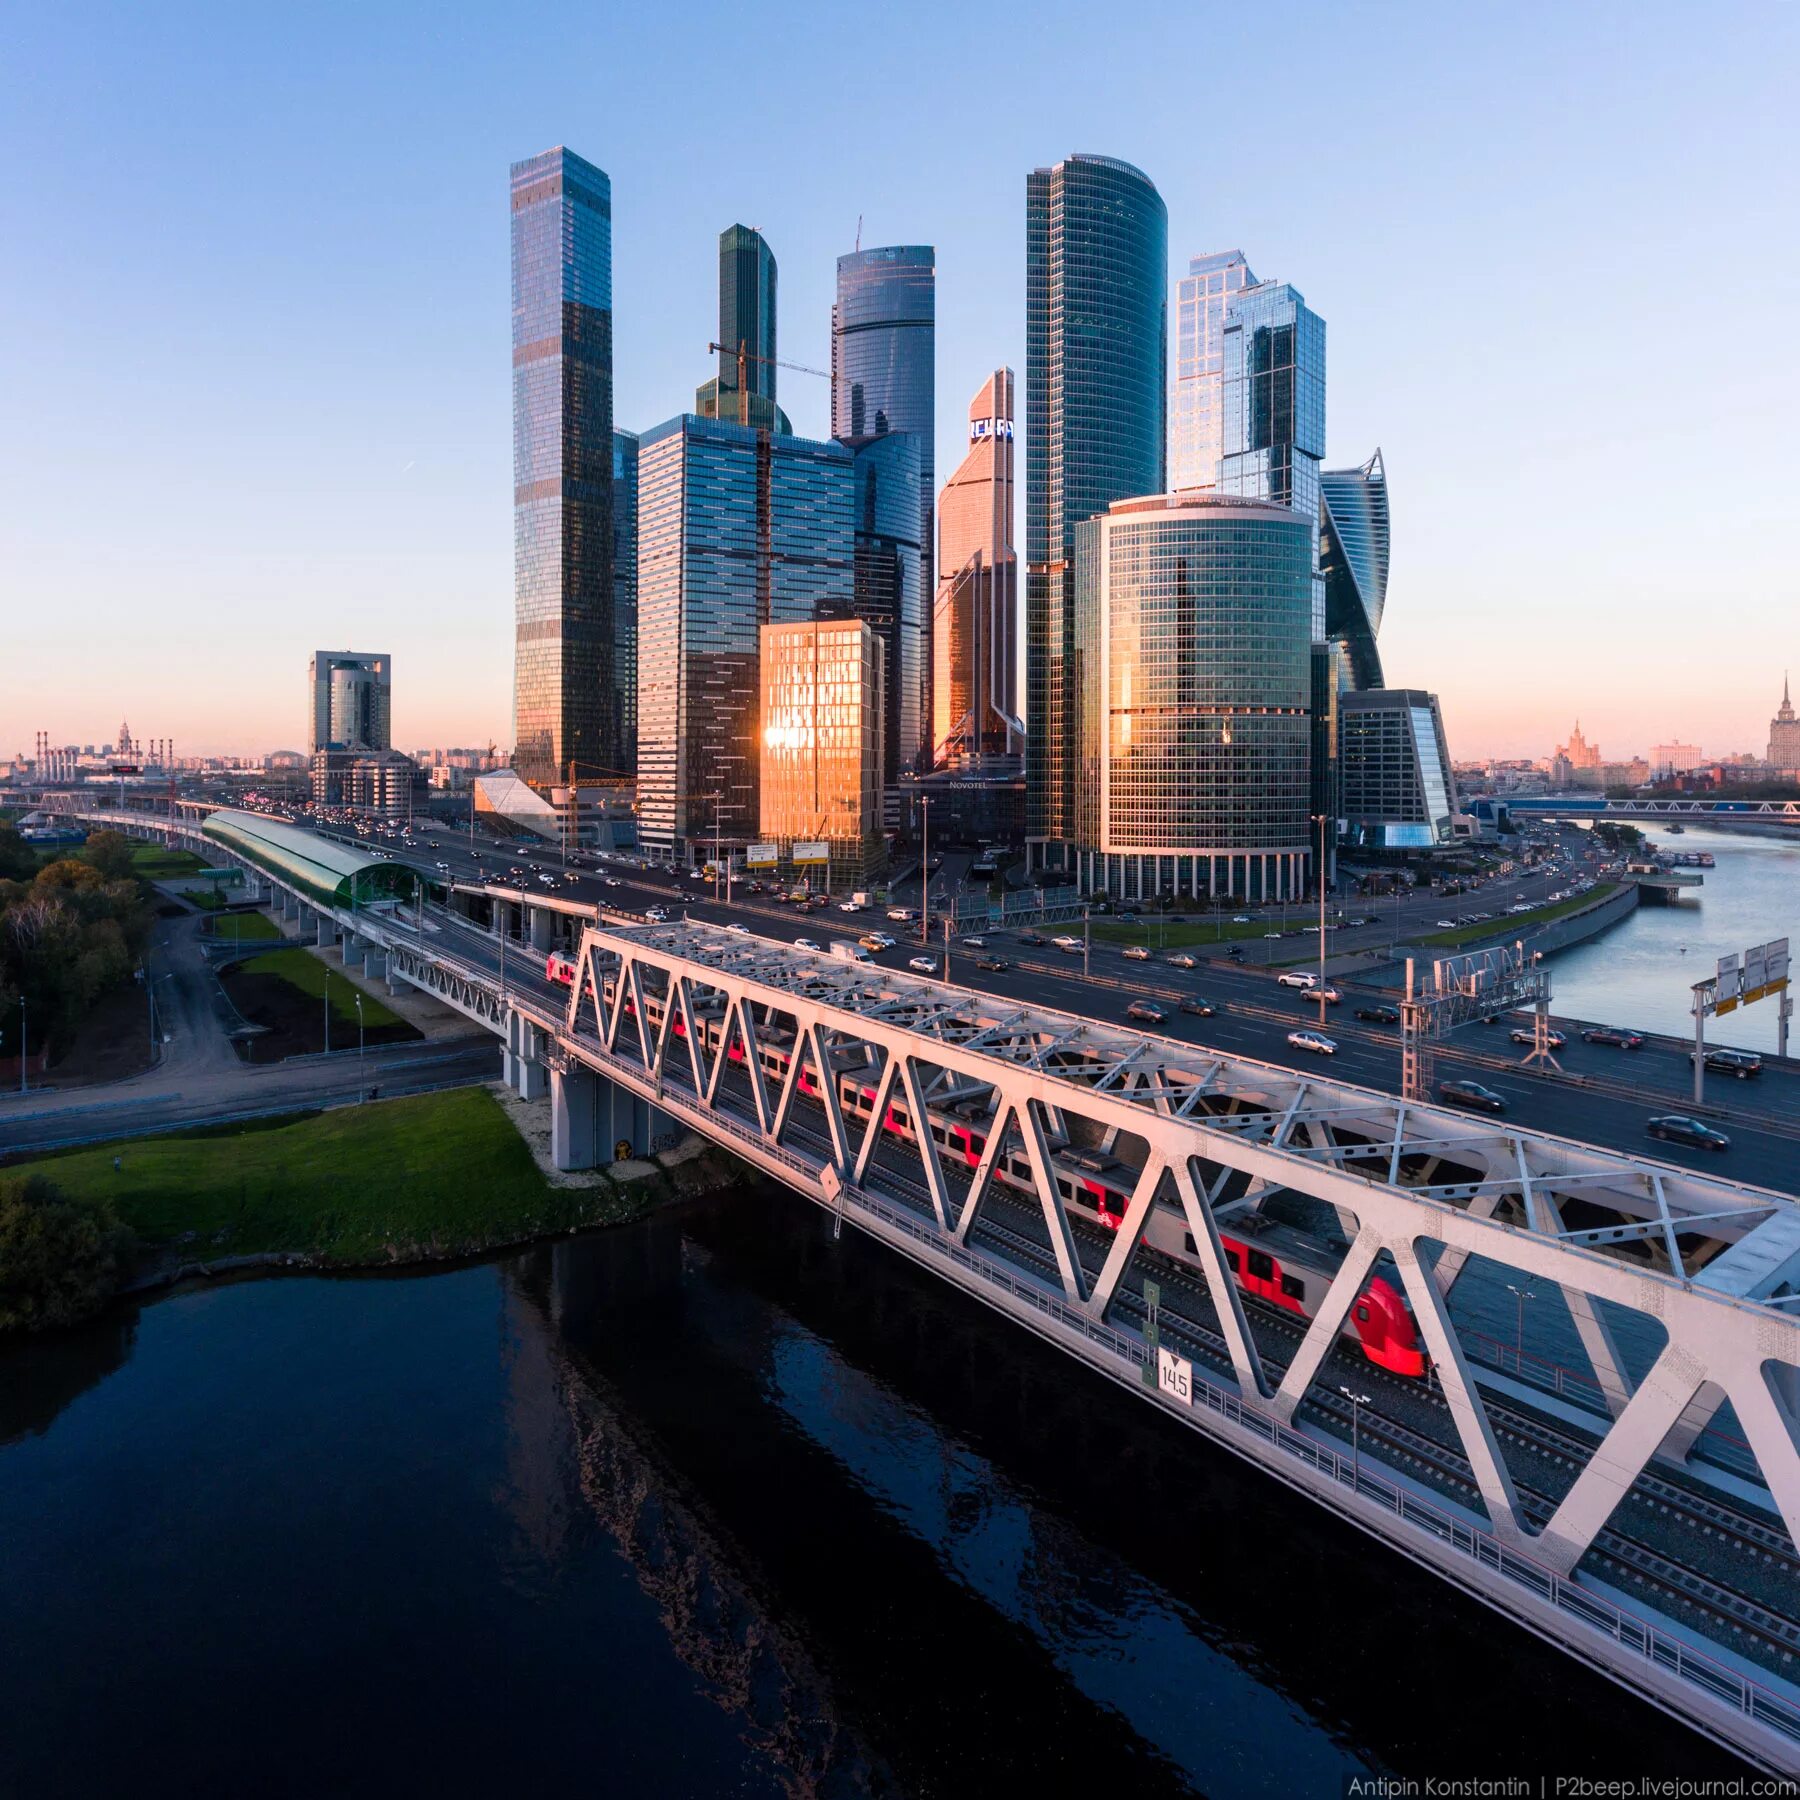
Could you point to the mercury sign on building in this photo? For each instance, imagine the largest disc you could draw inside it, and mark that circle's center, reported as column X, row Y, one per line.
column 986, row 428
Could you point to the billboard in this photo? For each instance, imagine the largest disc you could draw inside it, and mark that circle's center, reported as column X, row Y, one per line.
column 1765, row 969
column 812, row 853
column 1729, row 987
column 760, row 856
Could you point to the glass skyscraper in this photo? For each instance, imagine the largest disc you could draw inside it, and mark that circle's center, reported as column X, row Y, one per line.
column 625, row 482
column 1197, row 404
column 737, row 529
column 1194, row 612
column 1398, row 789
column 564, row 687
column 1096, row 394
column 1354, row 532
column 746, row 317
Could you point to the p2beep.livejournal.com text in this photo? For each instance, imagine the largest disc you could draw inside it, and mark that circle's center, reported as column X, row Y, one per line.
column 1566, row 1787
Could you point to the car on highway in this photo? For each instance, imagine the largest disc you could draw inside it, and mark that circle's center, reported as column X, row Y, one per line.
column 1032, row 937
column 804, row 944
column 903, row 914
column 1447, row 924
column 926, row 965
column 757, row 887
column 612, row 881
column 571, row 875
column 444, row 866
column 1379, row 1015
column 874, row 941
column 1240, row 918
column 1678, row 1128
column 1523, row 1034
column 1136, row 952
column 1146, row 1012
column 1613, row 1034
column 737, row 930
column 1741, row 1063
column 1272, row 935
column 1201, row 1009
column 973, row 943
column 1297, row 978
column 1181, row 960
column 1315, row 1041
column 848, row 906
column 1472, row 1095
column 657, row 916
column 995, row 965
column 1069, row 946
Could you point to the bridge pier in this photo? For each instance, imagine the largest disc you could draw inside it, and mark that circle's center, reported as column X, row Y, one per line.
column 327, row 931
column 590, row 1117
column 375, row 964
column 524, row 1068
column 543, row 925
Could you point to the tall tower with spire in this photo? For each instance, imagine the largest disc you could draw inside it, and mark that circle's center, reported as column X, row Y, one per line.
column 1784, row 735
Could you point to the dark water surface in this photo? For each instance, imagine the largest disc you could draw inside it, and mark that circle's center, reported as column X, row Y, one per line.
column 712, row 1505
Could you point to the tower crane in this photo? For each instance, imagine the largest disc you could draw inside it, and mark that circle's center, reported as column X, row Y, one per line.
column 746, row 356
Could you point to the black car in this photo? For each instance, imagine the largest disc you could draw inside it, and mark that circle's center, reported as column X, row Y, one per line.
column 1677, row 1128
column 1471, row 1094
column 1612, row 1034
column 1201, row 1009
column 1032, row 937
column 1147, row 1012
column 1741, row 1063
column 1236, row 952
column 1379, row 1015
column 994, row 964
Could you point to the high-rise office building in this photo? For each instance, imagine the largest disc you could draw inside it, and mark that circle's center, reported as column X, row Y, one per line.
column 975, row 618
column 1194, row 612
column 889, row 593
column 1096, row 397
column 1398, row 792
column 747, row 320
column 1353, row 559
column 349, row 697
column 822, row 744
column 624, row 669
column 1197, row 404
column 737, row 529
column 884, row 358
column 564, row 685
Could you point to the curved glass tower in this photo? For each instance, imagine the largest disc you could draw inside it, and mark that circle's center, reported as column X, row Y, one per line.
column 1096, row 386
column 1353, row 557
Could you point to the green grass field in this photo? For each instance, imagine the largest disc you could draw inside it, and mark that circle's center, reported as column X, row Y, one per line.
column 1514, row 923
column 246, row 928
column 300, row 969
column 154, row 863
column 435, row 1172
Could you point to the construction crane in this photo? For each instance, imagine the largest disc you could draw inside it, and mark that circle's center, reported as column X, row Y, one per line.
column 745, row 356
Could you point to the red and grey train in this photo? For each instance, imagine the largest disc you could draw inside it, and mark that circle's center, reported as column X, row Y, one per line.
column 1276, row 1264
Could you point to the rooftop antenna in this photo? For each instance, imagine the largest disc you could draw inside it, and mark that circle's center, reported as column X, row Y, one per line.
column 859, row 219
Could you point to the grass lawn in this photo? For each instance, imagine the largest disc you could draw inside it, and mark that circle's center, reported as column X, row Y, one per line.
column 445, row 1172
column 246, row 928
column 155, row 863
column 1515, row 922
column 301, row 969
column 1191, row 936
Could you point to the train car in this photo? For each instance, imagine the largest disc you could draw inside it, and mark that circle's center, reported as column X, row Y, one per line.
column 1274, row 1264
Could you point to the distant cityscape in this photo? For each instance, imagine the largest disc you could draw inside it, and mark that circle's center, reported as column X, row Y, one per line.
column 733, row 643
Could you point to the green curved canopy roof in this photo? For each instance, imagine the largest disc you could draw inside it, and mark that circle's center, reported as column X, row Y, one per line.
column 330, row 874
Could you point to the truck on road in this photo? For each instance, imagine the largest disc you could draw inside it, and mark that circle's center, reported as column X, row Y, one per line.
column 845, row 951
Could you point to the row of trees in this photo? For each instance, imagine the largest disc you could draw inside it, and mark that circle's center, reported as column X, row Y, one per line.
column 69, row 931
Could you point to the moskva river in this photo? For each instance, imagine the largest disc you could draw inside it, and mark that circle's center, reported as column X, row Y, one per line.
column 714, row 1505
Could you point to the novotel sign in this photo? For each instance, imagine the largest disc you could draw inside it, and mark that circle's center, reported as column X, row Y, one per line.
column 981, row 428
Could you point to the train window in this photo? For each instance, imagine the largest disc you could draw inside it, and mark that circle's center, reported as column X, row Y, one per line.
column 1262, row 1266
column 1293, row 1287
column 1362, row 1315
column 977, row 1144
column 1231, row 1256
column 1187, row 1237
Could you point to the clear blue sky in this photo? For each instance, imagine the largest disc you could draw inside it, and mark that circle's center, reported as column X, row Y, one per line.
column 254, row 368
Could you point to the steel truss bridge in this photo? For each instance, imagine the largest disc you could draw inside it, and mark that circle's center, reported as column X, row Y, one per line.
column 797, row 1061
column 1596, row 806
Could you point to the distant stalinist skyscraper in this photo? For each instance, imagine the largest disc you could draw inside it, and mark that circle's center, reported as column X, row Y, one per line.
column 1784, row 735
column 975, row 623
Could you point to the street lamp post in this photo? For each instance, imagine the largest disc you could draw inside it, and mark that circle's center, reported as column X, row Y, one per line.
column 1521, row 1295
column 925, row 869
column 359, row 1047
column 327, row 1012
column 1085, row 934
column 1357, row 1403
column 1319, row 819
column 21, row 1040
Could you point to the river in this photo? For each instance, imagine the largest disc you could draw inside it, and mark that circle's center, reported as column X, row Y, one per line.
column 1641, row 971
column 713, row 1504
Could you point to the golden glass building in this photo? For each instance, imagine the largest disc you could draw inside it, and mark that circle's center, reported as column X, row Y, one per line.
column 822, row 722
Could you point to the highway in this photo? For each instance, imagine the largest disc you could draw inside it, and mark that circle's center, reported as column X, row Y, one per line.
column 1253, row 1013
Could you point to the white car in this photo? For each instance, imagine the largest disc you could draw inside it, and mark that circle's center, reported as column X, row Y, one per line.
column 1137, row 953
column 1446, row 924
column 974, row 943
column 1315, row 1041
column 1065, row 942
column 901, row 913
column 738, row 930
column 924, row 964
column 848, row 906
column 804, row 944
column 445, row 867
column 1297, row 978
column 656, row 915
column 614, row 881
column 1240, row 918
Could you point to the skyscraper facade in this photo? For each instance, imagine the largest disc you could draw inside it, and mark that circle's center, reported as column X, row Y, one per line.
column 1194, row 718
column 1096, row 394
column 625, row 483
column 1784, row 735
column 1353, row 559
column 564, row 687
column 747, row 318
column 349, row 696
column 1398, row 791
column 975, row 618
column 737, row 529
column 1197, row 403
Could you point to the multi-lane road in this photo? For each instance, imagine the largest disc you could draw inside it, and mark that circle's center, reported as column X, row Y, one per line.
column 1604, row 1095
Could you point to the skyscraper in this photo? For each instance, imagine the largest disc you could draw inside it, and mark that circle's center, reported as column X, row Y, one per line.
column 1194, row 713
column 1096, row 393
column 349, row 700
column 737, row 529
column 1354, row 534
column 564, row 687
column 1784, row 735
column 747, row 318
column 1197, row 405
column 975, row 620
column 625, row 483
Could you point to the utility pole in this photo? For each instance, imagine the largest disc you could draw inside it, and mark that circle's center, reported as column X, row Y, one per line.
column 327, row 1012
column 362, row 1091
column 1357, row 1403
column 1319, row 820
column 21, row 1040
column 925, row 870
column 1085, row 937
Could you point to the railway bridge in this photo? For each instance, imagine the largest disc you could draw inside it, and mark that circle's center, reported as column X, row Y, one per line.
column 1112, row 1192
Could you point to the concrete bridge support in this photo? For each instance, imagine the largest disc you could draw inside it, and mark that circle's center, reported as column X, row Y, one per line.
column 524, row 1069
column 327, row 931
column 543, row 927
column 375, row 965
column 591, row 1117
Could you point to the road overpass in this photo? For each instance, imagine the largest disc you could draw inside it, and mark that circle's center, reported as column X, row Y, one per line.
column 1681, row 809
column 1114, row 1192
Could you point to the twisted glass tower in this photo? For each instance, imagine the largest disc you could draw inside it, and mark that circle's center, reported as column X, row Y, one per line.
column 1096, row 385
column 565, row 697
column 1353, row 558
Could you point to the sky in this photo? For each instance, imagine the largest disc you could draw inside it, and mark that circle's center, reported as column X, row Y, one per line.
column 255, row 343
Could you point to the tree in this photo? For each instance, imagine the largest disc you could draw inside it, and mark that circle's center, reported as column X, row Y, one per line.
column 110, row 853
column 61, row 1256
column 18, row 861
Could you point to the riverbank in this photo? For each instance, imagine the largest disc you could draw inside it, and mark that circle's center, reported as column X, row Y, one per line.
column 427, row 1178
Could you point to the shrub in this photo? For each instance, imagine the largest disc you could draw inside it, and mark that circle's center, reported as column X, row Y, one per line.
column 61, row 1258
